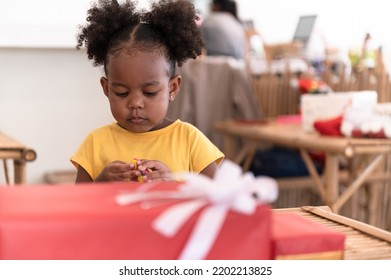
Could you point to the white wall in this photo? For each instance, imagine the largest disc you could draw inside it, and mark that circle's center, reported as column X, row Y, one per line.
column 50, row 96
column 343, row 23
column 49, row 100
column 43, row 23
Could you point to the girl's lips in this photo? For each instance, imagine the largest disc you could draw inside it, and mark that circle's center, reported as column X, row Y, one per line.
column 136, row 120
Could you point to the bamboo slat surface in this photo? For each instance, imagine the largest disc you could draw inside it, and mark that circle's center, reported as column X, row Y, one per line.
column 363, row 241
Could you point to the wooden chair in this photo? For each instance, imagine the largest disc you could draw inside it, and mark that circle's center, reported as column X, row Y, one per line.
column 283, row 50
column 277, row 93
column 214, row 88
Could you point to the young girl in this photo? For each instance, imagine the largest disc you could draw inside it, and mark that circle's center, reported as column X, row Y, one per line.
column 139, row 51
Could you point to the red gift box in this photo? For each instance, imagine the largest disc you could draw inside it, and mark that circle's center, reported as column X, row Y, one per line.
column 85, row 222
column 296, row 237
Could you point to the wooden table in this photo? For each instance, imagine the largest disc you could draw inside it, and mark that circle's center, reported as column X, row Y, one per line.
column 292, row 135
column 363, row 241
column 19, row 153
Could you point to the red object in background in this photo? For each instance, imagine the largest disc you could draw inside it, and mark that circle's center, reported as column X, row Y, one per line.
column 296, row 119
column 83, row 222
column 379, row 134
column 296, row 237
column 357, row 133
column 312, row 86
column 331, row 127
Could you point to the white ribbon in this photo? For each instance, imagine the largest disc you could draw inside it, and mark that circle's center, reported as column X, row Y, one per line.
column 229, row 190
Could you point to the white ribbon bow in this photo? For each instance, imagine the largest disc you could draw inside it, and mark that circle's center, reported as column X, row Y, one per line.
column 229, row 190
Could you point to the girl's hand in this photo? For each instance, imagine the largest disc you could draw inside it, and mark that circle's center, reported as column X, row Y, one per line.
column 116, row 171
column 152, row 170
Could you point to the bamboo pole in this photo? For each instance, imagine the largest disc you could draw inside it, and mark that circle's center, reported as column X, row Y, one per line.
column 352, row 188
column 314, row 174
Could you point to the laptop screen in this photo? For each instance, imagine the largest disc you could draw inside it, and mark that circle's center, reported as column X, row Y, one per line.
column 304, row 29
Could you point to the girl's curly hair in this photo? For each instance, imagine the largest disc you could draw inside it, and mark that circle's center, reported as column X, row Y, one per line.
column 168, row 26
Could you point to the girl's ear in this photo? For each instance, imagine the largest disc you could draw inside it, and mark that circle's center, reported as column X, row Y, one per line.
column 174, row 86
column 105, row 85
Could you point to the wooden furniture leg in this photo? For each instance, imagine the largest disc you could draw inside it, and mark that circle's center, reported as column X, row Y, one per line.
column 6, row 174
column 332, row 179
column 354, row 186
column 313, row 173
column 20, row 171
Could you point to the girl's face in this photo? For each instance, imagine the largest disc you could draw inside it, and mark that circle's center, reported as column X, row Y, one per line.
column 139, row 90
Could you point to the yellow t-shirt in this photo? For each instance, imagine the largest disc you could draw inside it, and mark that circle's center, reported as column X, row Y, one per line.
column 181, row 146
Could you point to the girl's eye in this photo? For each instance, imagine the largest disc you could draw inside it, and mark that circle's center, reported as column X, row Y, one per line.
column 150, row 94
column 121, row 94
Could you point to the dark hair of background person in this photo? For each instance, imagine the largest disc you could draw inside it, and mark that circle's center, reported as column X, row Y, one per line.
column 226, row 6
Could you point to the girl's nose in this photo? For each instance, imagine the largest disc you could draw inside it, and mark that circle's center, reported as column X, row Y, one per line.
column 135, row 101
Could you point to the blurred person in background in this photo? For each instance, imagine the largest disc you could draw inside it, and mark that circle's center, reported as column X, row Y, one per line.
column 223, row 32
